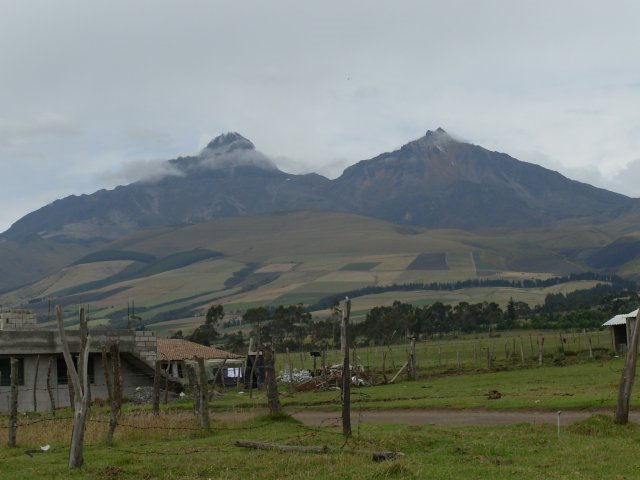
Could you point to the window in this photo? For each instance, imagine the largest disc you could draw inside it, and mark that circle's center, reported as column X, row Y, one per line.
column 5, row 371
column 63, row 378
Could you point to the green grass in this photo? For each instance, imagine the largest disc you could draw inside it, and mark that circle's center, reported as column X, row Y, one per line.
column 591, row 449
column 172, row 445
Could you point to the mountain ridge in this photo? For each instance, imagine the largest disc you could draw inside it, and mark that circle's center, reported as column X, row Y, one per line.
column 435, row 182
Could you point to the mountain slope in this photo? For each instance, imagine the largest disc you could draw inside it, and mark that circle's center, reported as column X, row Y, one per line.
column 439, row 182
column 434, row 181
column 228, row 178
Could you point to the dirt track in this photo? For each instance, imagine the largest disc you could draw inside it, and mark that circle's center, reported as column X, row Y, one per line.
column 452, row 417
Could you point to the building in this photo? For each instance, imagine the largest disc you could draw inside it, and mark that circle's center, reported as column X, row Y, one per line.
column 39, row 350
column 175, row 354
column 621, row 330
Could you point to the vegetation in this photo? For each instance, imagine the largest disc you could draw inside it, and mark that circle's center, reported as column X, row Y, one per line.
column 172, row 445
column 610, row 283
column 111, row 255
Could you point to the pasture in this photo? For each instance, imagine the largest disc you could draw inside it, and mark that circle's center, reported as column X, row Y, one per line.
column 173, row 446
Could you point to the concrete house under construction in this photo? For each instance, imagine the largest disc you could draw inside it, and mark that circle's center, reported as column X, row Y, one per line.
column 39, row 351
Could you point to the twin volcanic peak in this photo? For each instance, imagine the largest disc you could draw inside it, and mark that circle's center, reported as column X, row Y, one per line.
column 434, row 181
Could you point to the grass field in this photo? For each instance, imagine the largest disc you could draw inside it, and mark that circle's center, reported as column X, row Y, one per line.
column 172, row 445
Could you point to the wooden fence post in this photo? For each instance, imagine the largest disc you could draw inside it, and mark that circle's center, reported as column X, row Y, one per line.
column 13, row 416
column 35, row 385
column 412, row 359
column 107, row 366
column 193, row 385
column 79, row 378
column 52, row 400
column 346, row 371
column 156, row 388
column 627, row 377
column 273, row 400
column 114, row 353
column 540, row 350
column 204, row 394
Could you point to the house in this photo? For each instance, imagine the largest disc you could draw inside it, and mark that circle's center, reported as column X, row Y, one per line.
column 38, row 350
column 621, row 330
column 175, row 354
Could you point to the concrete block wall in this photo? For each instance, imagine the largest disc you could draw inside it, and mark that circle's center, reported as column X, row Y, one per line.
column 17, row 319
column 146, row 346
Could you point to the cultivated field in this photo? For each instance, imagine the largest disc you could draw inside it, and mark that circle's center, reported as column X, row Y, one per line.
column 291, row 258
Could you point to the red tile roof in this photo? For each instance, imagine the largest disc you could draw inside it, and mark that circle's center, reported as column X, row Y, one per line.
column 173, row 349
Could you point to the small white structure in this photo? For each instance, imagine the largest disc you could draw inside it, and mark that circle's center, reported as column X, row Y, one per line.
column 621, row 329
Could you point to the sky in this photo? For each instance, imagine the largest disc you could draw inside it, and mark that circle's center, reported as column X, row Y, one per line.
column 97, row 94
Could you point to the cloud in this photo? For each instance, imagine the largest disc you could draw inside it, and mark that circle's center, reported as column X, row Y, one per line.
column 46, row 124
column 235, row 158
column 140, row 170
column 627, row 180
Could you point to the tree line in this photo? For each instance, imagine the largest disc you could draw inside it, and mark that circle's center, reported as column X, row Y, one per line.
column 293, row 327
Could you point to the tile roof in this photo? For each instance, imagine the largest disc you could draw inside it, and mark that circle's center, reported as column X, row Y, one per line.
column 176, row 349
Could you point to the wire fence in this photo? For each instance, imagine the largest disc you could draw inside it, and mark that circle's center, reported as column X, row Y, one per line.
column 469, row 351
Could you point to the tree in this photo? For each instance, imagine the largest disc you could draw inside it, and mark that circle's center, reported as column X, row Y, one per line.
column 206, row 334
column 214, row 314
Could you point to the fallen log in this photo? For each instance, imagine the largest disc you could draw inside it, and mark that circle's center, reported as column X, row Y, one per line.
column 375, row 456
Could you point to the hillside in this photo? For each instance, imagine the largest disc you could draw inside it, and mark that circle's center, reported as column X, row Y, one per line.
column 175, row 272
column 230, row 207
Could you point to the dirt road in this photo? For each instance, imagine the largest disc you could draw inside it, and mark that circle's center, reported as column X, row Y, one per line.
column 452, row 417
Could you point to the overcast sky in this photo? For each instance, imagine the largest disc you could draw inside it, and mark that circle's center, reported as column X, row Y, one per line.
column 96, row 93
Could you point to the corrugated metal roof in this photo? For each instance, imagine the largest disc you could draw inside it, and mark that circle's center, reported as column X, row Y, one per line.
column 173, row 349
column 617, row 320
column 620, row 319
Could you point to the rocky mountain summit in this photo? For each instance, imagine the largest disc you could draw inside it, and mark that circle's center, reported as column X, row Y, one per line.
column 434, row 181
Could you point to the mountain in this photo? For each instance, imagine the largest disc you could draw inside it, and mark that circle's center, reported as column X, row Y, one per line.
column 228, row 178
column 435, row 181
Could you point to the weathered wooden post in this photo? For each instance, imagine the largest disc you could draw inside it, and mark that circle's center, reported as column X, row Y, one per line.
column 273, row 400
column 521, row 352
column 346, row 371
column 156, row 388
column 204, row 394
column 540, row 350
column 114, row 353
column 52, row 400
column 627, row 378
column 80, row 380
column 412, row 358
column 35, row 385
column 290, row 369
column 113, row 421
column 13, row 415
column 165, row 400
column 193, row 385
